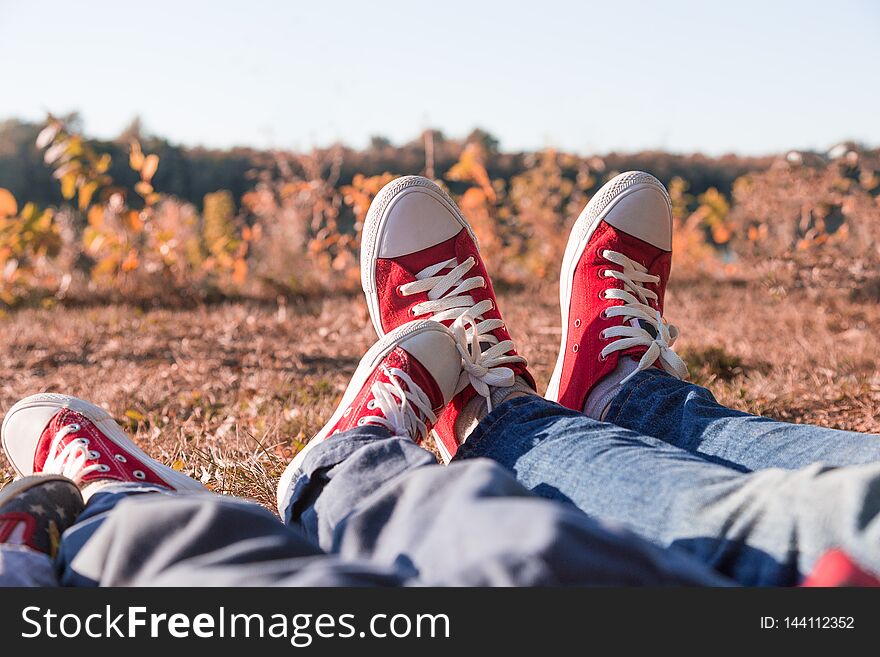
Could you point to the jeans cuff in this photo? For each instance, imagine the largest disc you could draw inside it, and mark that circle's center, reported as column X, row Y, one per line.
column 615, row 408
column 327, row 454
column 492, row 427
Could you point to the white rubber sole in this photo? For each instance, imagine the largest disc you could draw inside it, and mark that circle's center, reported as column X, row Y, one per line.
column 99, row 417
column 589, row 219
column 375, row 355
column 374, row 224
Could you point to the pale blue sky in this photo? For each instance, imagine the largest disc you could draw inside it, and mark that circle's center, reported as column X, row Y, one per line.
column 743, row 76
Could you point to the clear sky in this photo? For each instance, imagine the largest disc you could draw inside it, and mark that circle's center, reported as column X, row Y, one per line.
column 736, row 76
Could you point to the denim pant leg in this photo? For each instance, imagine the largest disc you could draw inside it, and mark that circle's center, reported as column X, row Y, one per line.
column 23, row 566
column 365, row 495
column 127, row 538
column 762, row 528
column 685, row 415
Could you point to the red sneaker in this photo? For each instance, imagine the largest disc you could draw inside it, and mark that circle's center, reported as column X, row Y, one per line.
column 419, row 258
column 402, row 383
column 58, row 434
column 611, row 288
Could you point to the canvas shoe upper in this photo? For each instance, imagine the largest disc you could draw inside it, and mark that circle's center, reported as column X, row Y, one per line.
column 420, row 259
column 36, row 510
column 611, row 288
column 58, row 434
column 402, row 384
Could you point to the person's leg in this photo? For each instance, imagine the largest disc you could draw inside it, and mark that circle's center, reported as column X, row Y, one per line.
column 763, row 528
column 366, row 495
column 168, row 539
column 616, row 361
column 687, row 416
column 363, row 490
column 143, row 523
column 50, row 435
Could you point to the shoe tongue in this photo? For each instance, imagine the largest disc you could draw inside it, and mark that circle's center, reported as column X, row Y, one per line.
column 647, row 326
column 47, row 437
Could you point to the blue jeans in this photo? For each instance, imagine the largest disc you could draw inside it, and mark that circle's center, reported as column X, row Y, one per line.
column 687, row 416
column 764, row 521
column 369, row 508
column 365, row 509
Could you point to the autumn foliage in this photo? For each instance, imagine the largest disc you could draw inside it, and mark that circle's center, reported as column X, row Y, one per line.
column 297, row 230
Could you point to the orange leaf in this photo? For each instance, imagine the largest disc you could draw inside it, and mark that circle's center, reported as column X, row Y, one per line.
column 721, row 234
column 131, row 261
column 8, row 206
column 85, row 194
column 103, row 164
column 68, row 186
column 151, row 163
column 239, row 271
column 96, row 216
column 135, row 223
column 136, row 158
column 143, row 188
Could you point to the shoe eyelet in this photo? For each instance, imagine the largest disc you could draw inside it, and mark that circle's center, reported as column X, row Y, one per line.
column 139, row 474
column 399, row 291
column 602, row 358
column 604, row 314
column 602, row 335
column 120, row 458
column 103, row 468
column 94, row 454
column 371, row 405
column 361, row 421
column 347, row 412
column 74, row 427
column 602, row 296
column 575, row 348
column 577, row 323
column 83, row 441
column 412, row 312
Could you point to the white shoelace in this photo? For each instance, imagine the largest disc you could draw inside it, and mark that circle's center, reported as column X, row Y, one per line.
column 447, row 300
column 634, row 310
column 400, row 408
column 70, row 462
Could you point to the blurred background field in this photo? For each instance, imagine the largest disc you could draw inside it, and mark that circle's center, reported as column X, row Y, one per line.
column 209, row 296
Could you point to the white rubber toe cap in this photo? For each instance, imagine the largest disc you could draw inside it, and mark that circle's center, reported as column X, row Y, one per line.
column 23, row 426
column 417, row 218
column 437, row 353
column 643, row 211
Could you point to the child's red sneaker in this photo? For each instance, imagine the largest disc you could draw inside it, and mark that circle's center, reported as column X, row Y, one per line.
column 58, row 434
column 402, row 384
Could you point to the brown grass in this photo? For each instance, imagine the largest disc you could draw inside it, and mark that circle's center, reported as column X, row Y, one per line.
column 228, row 393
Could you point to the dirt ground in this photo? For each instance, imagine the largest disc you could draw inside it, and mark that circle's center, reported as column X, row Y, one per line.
column 227, row 393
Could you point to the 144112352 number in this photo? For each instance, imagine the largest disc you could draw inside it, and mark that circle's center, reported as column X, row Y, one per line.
column 820, row 622
column 809, row 622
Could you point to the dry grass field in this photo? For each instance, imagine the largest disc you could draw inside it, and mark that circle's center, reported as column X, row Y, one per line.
column 227, row 393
